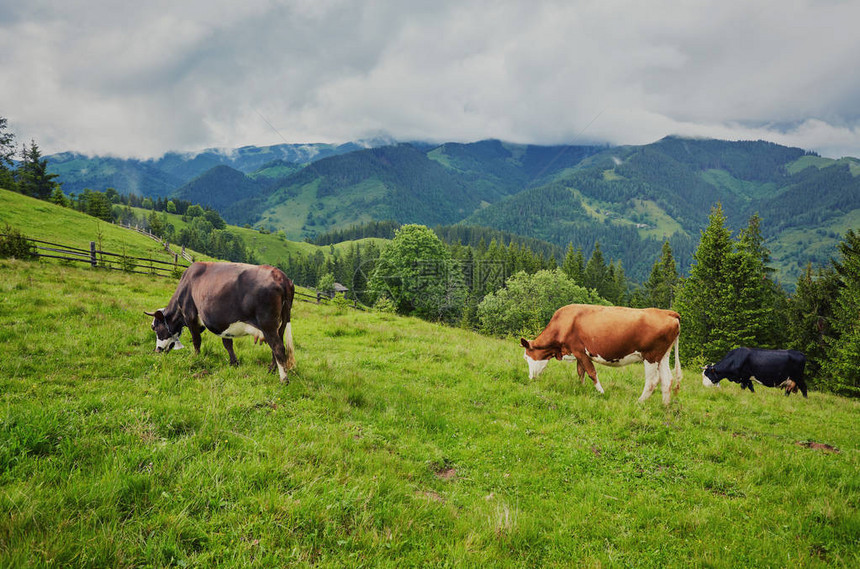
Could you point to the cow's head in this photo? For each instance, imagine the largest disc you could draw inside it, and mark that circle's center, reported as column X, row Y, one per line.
column 166, row 335
column 538, row 358
column 709, row 376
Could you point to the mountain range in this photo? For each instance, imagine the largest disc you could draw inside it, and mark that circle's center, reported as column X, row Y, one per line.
column 626, row 198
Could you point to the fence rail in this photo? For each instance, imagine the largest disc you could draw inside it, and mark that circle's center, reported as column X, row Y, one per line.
column 320, row 298
column 106, row 259
column 155, row 237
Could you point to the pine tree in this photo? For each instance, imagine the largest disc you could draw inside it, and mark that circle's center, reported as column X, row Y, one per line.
column 810, row 314
column 34, row 179
column 574, row 264
column 705, row 300
column 596, row 273
column 660, row 286
column 844, row 361
column 7, row 155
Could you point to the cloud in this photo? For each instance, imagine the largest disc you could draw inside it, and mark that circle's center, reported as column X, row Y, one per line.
column 161, row 76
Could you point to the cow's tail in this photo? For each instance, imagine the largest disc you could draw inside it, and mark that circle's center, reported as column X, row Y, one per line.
column 676, row 384
column 286, row 308
column 676, row 380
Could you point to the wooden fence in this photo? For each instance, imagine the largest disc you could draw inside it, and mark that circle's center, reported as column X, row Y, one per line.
column 155, row 237
column 105, row 259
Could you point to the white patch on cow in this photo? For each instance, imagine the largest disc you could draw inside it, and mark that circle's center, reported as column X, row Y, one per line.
column 634, row 358
column 753, row 378
column 535, row 366
column 598, row 386
column 282, row 372
column 170, row 343
column 237, row 329
column 706, row 381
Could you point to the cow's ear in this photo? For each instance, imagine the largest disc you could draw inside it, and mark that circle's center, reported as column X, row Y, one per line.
column 525, row 343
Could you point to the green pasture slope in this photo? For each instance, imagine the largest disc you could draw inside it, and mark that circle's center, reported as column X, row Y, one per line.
column 271, row 247
column 48, row 222
column 398, row 443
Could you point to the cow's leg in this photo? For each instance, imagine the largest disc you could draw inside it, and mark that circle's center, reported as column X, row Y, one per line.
column 228, row 345
column 279, row 355
column 580, row 371
column 652, row 378
column 583, row 362
column 195, row 337
column 665, row 373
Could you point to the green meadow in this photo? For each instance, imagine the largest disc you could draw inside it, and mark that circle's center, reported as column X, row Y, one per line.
column 397, row 443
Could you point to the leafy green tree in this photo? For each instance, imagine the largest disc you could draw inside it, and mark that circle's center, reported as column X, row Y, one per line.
column 171, row 206
column 844, row 361
column 33, row 177
column 415, row 271
column 214, row 218
column 528, row 301
column 194, row 211
column 659, row 289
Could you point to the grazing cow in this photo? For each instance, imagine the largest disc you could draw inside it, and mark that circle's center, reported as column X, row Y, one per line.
column 230, row 300
column 771, row 368
column 613, row 336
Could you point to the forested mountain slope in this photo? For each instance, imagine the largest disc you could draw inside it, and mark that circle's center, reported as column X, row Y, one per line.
column 627, row 198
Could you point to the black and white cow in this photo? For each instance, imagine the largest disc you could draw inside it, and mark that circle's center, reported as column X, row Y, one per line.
column 230, row 300
column 771, row 368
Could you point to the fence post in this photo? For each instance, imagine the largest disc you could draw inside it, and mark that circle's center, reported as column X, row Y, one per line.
column 93, row 253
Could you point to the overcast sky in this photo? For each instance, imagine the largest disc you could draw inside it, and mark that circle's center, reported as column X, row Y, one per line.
column 154, row 76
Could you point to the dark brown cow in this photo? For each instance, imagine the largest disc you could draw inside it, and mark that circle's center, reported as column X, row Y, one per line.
column 612, row 336
column 230, row 300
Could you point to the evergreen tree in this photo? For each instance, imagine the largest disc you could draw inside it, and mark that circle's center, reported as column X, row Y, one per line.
column 810, row 313
column 597, row 275
column 7, row 155
column 574, row 264
column 34, row 179
column 59, row 198
column 706, row 299
column 659, row 289
column 844, row 361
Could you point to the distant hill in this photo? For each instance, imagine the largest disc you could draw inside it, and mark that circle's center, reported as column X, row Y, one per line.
column 219, row 188
column 159, row 177
column 627, row 198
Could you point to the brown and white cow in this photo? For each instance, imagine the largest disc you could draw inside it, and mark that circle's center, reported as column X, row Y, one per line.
column 612, row 336
column 230, row 300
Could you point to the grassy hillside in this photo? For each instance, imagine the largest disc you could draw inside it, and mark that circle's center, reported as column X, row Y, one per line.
column 397, row 443
column 267, row 247
column 48, row 222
